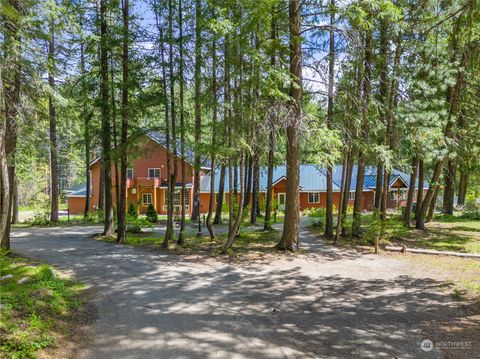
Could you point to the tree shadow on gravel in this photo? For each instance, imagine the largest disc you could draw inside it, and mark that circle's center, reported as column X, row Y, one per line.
column 154, row 305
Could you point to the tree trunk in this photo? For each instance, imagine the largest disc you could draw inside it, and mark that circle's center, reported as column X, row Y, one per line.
column 267, row 226
column 181, row 235
column 453, row 99
column 235, row 179
column 292, row 208
column 411, row 191
column 214, row 143
column 238, row 219
column 86, row 129
column 431, row 194
column 346, row 193
column 255, row 189
column 268, row 200
column 53, row 129
column 379, row 186
column 383, row 111
column 101, row 191
column 167, row 103
column 248, row 181
column 11, row 67
column 433, row 203
column 421, row 180
column 449, row 191
column 122, row 204
column 15, row 201
column 173, row 116
column 331, row 72
column 197, row 110
column 342, row 194
column 114, row 136
column 462, row 187
column 358, row 204
column 220, row 194
column 385, row 188
column 4, row 180
column 106, row 140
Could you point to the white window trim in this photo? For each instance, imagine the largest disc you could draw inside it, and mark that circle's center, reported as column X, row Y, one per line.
column 143, row 198
column 351, row 195
column 154, row 168
column 187, row 197
column 131, row 169
column 314, row 193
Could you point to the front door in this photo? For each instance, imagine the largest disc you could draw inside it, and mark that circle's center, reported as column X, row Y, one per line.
column 281, row 201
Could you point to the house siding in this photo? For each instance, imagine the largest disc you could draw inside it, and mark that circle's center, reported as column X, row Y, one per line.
column 150, row 154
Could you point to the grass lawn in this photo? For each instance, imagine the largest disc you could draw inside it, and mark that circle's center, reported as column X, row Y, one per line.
column 462, row 275
column 446, row 233
column 35, row 313
column 251, row 239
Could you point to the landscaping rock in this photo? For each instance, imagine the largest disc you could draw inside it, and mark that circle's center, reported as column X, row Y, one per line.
column 23, row 280
column 42, row 293
column 8, row 276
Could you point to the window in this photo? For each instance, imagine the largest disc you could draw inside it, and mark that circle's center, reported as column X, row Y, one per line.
column 129, row 173
column 147, row 198
column 176, row 197
column 154, row 172
column 313, row 197
column 403, row 194
column 351, row 195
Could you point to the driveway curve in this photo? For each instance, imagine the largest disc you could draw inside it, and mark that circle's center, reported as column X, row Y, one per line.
column 330, row 303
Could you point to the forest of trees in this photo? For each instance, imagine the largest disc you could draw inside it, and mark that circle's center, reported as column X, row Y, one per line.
column 246, row 84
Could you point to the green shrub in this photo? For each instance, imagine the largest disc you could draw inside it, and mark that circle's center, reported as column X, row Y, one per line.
column 474, row 215
column 374, row 229
column 135, row 224
column 40, row 218
column 316, row 212
column 472, row 203
column 152, row 213
column 132, row 210
column 319, row 216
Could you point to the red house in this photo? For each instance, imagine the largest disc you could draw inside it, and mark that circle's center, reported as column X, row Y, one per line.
column 147, row 182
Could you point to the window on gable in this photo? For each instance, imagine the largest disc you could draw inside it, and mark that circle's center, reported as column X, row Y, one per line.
column 313, row 197
column 147, row 198
column 154, row 172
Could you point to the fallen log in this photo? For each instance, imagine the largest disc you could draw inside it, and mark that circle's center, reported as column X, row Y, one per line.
column 404, row 249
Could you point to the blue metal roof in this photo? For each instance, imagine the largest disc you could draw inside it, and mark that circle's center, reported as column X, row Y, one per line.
column 370, row 180
column 313, row 178
column 79, row 193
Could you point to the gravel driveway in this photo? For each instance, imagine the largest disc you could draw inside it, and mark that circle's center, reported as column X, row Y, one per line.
column 331, row 303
